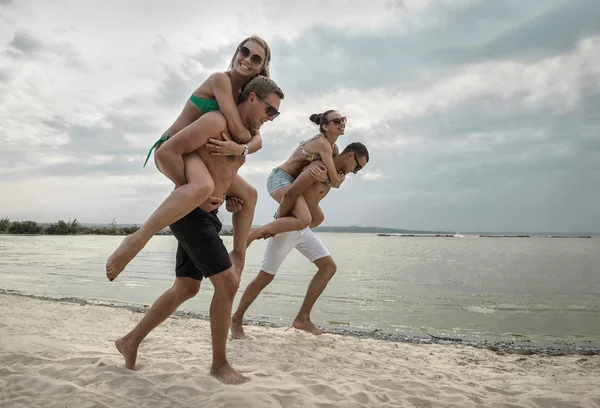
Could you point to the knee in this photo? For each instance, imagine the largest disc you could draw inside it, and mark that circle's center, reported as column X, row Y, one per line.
column 316, row 221
column 328, row 269
column 250, row 195
column 187, row 289
column 202, row 191
column 159, row 155
column 230, row 283
column 263, row 279
column 304, row 220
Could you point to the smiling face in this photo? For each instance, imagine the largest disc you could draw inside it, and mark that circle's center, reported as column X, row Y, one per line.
column 335, row 124
column 259, row 101
column 263, row 109
column 249, row 59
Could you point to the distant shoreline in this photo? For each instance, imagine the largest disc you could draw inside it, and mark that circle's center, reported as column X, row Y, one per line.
column 229, row 232
column 74, row 227
column 483, row 236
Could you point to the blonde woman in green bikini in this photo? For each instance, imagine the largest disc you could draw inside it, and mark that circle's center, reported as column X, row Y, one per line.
column 220, row 91
column 293, row 213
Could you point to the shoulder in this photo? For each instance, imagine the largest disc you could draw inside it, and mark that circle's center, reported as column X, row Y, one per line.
column 220, row 78
column 321, row 142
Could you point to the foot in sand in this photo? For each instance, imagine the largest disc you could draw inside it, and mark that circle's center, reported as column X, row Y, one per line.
column 307, row 326
column 128, row 351
column 237, row 328
column 227, row 375
column 129, row 248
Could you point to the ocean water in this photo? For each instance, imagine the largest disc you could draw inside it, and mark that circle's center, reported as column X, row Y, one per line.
column 537, row 288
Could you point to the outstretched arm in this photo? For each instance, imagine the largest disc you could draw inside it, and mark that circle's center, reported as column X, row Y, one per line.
column 170, row 154
column 221, row 85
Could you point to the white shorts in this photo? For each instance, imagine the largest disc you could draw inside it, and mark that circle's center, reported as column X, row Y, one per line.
column 278, row 248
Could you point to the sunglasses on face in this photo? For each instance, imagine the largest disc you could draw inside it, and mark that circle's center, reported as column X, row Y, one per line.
column 271, row 111
column 339, row 121
column 358, row 166
column 255, row 58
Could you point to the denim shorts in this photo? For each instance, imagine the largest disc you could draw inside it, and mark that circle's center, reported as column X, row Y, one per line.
column 278, row 179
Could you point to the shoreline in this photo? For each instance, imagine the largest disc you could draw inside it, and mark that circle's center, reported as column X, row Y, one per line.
column 501, row 345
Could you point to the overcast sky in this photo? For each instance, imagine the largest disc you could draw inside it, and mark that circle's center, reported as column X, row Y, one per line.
column 479, row 115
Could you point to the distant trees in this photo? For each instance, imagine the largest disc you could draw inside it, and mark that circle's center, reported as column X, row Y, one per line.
column 4, row 224
column 24, row 227
column 62, row 228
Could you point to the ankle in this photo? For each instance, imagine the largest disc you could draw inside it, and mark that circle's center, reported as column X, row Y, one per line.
column 302, row 318
column 131, row 340
column 218, row 363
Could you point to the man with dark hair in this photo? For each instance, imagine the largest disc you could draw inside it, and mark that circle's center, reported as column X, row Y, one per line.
column 310, row 184
column 201, row 252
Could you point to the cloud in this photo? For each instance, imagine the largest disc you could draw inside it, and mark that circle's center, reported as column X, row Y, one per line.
column 25, row 43
column 25, row 46
column 477, row 115
column 370, row 176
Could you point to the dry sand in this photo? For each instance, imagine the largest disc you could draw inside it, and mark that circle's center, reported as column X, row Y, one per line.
column 58, row 354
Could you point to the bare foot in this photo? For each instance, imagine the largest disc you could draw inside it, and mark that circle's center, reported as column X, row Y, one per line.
column 237, row 328
column 307, row 326
column 258, row 233
column 129, row 352
column 119, row 259
column 227, row 375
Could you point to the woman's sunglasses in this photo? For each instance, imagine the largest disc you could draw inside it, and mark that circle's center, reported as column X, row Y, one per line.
column 255, row 58
column 339, row 121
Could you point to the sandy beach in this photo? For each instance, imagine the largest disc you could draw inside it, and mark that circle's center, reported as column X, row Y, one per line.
column 61, row 354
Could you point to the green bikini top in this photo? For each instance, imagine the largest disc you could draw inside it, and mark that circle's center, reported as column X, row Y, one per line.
column 205, row 106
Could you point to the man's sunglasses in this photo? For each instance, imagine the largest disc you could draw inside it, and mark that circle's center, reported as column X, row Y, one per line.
column 271, row 111
column 339, row 121
column 255, row 58
column 358, row 166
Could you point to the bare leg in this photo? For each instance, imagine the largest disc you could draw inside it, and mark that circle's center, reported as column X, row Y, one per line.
column 300, row 218
column 317, row 217
column 242, row 220
column 318, row 283
column 182, row 290
column 226, row 285
column 250, row 294
column 179, row 203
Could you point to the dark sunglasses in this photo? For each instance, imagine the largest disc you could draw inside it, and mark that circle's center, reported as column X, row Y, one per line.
column 255, row 58
column 358, row 166
column 339, row 121
column 271, row 111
